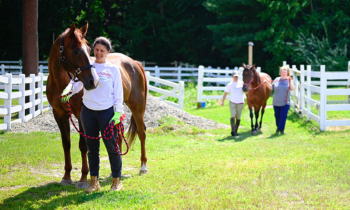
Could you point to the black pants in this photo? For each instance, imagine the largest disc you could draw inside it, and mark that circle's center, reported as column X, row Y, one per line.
column 95, row 122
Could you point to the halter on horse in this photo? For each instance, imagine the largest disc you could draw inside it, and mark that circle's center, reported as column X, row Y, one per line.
column 257, row 93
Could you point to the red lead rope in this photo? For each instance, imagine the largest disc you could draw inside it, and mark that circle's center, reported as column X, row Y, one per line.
column 108, row 130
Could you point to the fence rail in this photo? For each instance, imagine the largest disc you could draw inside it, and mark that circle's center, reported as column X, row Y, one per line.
column 35, row 105
column 216, row 77
column 176, row 92
column 302, row 103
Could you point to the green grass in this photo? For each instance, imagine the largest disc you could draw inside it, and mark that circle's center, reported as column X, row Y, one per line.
column 189, row 168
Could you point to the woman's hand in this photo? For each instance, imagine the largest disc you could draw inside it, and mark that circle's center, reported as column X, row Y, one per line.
column 290, row 78
column 222, row 103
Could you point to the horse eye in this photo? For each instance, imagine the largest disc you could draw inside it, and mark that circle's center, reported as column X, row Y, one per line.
column 76, row 52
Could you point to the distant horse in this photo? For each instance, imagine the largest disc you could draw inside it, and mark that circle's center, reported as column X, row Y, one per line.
column 70, row 55
column 257, row 91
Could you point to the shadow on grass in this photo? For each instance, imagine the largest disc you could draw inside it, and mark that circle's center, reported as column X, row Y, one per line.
column 242, row 136
column 53, row 196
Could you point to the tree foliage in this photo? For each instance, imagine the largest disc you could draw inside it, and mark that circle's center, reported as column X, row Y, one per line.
column 207, row 32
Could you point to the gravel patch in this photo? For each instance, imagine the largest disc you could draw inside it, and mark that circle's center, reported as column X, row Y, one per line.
column 155, row 110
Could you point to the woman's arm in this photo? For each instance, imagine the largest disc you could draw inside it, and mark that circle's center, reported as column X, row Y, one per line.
column 223, row 98
column 118, row 92
column 291, row 85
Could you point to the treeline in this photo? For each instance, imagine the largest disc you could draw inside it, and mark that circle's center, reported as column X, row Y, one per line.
column 211, row 32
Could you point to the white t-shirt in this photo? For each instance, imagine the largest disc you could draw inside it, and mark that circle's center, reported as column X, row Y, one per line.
column 236, row 92
column 109, row 92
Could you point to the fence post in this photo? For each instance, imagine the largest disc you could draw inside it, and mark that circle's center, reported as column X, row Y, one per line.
column 181, row 94
column 148, row 74
column 41, row 69
column 302, row 89
column 8, row 101
column 218, row 75
column 308, row 92
column 2, row 69
column 157, row 74
column 296, row 97
column 41, row 93
column 179, row 73
column 21, row 100
column 323, row 98
column 32, row 96
column 200, row 86
column 284, row 63
column 349, row 81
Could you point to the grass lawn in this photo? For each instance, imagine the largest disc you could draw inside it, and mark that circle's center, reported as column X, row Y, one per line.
column 189, row 168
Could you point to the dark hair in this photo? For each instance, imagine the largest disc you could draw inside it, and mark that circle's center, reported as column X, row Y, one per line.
column 104, row 41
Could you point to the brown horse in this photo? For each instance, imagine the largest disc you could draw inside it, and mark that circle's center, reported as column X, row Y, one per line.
column 257, row 91
column 70, row 54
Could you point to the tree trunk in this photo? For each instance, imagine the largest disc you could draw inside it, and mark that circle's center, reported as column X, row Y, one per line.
column 30, row 49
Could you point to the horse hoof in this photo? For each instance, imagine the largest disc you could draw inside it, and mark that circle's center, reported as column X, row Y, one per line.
column 81, row 185
column 143, row 172
column 253, row 132
column 65, row 182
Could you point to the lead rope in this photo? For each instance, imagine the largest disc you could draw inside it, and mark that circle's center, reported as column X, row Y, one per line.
column 108, row 130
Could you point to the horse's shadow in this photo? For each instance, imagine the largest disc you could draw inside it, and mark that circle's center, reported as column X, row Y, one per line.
column 53, row 196
column 241, row 137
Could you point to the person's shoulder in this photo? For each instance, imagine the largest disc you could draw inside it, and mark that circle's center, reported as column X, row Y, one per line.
column 230, row 83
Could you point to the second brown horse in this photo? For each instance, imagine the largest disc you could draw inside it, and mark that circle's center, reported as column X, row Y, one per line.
column 257, row 91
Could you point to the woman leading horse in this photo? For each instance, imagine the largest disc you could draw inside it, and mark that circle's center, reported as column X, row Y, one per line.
column 70, row 57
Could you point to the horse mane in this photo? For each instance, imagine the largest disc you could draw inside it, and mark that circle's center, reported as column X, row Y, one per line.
column 79, row 40
column 256, row 75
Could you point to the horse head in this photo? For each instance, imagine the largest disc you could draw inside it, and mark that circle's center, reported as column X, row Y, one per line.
column 75, row 56
column 249, row 73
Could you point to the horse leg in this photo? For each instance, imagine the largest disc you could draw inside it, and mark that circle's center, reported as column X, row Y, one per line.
column 84, row 168
column 262, row 114
column 256, row 118
column 251, row 120
column 63, row 124
column 141, row 131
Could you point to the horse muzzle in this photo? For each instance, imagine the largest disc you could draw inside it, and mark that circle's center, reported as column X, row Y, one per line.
column 245, row 88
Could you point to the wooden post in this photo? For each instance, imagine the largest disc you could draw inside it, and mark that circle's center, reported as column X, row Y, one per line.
column 349, row 81
column 200, row 86
column 323, row 99
column 22, row 88
column 181, row 94
column 32, row 96
column 250, row 53
column 302, row 89
column 8, row 101
column 308, row 92
column 147, row 78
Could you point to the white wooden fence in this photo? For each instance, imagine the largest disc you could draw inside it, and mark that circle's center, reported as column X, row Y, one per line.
column 214, row 78
column 19, row 82
column 16, row 69
column 176, row 92
column 302, row 102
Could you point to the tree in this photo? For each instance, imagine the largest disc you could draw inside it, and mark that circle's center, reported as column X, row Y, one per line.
column 30, row 37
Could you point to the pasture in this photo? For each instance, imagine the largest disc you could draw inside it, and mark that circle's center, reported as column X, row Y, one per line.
column 190, row 168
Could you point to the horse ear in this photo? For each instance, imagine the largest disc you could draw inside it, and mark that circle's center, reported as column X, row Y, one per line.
column 253, row 66
column 244, row 65
column 84, row 29
column 72, row 29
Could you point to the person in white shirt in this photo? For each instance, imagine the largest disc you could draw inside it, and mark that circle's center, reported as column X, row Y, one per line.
column 101, row 106
column 236, row 102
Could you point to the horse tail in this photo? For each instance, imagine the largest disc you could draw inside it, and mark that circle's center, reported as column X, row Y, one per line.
column 132, row 131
